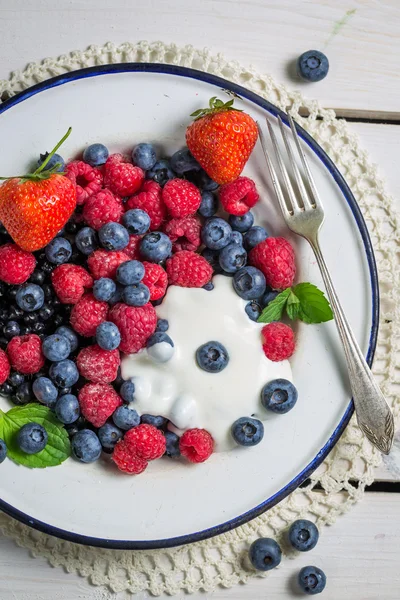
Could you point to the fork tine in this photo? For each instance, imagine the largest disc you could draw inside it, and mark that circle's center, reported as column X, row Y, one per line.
column 299, row 180
column 282, row 166
column 274, row 176
column 310, row 179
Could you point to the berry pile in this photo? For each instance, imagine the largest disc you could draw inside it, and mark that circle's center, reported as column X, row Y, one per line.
column 68, row 310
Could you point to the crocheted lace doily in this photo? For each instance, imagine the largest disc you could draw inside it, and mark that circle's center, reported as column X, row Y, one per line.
column 341, row 480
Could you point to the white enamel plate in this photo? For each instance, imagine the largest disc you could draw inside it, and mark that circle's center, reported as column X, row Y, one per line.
column 174, row 502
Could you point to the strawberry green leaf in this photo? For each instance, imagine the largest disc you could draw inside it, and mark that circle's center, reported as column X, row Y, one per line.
column 274, row 310
column 314, row 307
column 58, row 447
column 293, row 306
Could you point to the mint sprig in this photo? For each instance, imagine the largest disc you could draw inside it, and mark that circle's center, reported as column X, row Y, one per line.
column 305, row 302
column 58, row 447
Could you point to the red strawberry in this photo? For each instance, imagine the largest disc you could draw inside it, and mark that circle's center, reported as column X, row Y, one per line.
column 221, row 139
column 34, row 207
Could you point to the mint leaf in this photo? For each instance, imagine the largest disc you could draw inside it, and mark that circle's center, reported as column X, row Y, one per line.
column 314, row 307
column 274, row 310
column 58, row 447
column 293, row 306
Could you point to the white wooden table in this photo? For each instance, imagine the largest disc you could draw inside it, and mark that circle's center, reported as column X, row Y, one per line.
column 361, row 552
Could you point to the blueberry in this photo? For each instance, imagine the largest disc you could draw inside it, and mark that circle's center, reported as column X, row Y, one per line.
column 205, row 182
column 254, row 236
column 127, row 391
column 212, row 357
column 236, row 238
column 70, row 335
column 253, row 310
column 209, row 204
column 182, row 162
column 56, row 347
column 45, row 391
column 161, row 172
column 242, row 223
column 32, row 438
column 86, row 446
column 136, row 221
column 64, row 373
column 303, row 535
column 23, row 395
column 162, row 325
column 30, row 297
column 86, row 240
column 208, row 286
column 3, row 451
column 232, row 258
column 268, row 297
column 212, row 257
column 265, row 554
column 136, row 295
column 312, row 65
column 16, row 379
column 144, row 156
column 11, row 329
column 37, row 277
column 67, row 409
column 109, row 435
column 249, row 283
column 58, row 251
column 156, row 421
column 108, row 336
column 125, row 418
column 172, row 444
column 312, row 580
column 155, row 246
column 130, row 272
column 95, row 155
column 56, row 158
column 160, row 347
column 113, row 236
column 103, row 289
column 216, row 233
column 247, row 431
column 279, row 396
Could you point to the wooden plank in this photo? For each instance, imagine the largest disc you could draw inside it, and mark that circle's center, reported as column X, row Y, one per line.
column 360, row 38
column 360, row 555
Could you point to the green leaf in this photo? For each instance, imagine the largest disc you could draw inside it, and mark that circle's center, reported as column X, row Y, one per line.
column 314, row 307
column 58, row 447
column 293, row 306
column 274, row 310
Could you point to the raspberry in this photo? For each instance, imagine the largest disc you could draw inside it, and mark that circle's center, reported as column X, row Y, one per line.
column 101, row 208
column 275, row 258
column 150, row 200
column 98, row 401
column 98, row 365
column 188, row 269
column 184, row 233
column 126, row 460
column 181, row 197
column 4, row 367
column 122, row 177
column 196, row 445
column 156, row 280
column 278, row 341
column 25, row 353
column 103, row 263
column 87, row 314
column 146, row 441
column 87, row 179
column 70, row 282
column 132, row 249
column 239, row 196
column 16, row 265
column 135, row 324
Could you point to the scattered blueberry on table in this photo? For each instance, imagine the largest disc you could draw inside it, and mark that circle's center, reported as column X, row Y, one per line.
column 312, row 65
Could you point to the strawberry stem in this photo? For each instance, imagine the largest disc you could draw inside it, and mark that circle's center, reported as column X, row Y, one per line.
column 49, row 156
column 215, row 106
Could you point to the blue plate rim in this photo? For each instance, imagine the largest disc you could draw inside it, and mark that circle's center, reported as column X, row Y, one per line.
column 358, row 217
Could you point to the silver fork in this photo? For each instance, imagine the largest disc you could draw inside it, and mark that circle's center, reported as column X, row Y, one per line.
column 305, row 218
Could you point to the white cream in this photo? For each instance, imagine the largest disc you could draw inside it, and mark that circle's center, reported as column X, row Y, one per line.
column 184, row 393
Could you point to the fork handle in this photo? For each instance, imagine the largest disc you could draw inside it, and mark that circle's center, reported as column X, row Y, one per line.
column 374, row 415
